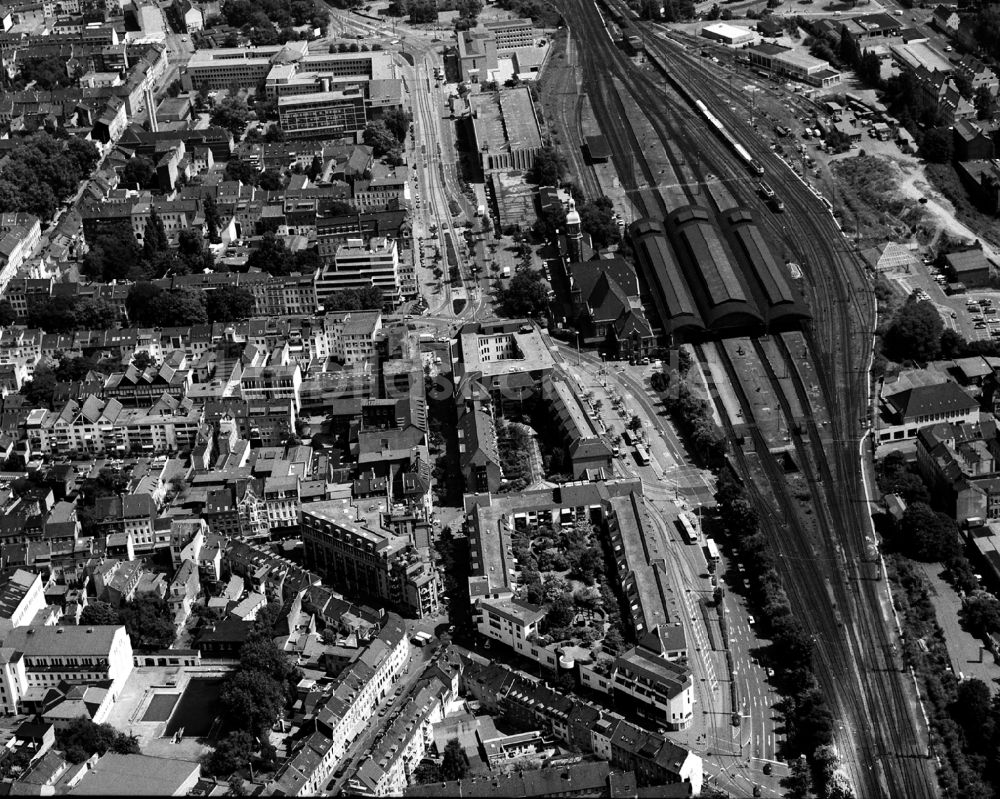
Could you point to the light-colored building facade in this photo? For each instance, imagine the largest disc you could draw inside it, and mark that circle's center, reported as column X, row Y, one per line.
column 355, row 266
column 39, row 658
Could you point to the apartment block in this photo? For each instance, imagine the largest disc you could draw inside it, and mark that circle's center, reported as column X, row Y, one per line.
column 353, row 336
column 323, row 114
column 356, row 548
column 355, row 265
column 39, row 658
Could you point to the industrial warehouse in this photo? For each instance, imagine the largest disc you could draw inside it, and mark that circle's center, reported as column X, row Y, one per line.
column 709, row 282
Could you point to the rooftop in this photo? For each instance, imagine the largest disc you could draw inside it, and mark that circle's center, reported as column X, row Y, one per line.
column 506, row 121
column 138, row 775
column 43, row 641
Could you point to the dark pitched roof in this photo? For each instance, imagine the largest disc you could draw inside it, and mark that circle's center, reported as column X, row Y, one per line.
column 927, row 400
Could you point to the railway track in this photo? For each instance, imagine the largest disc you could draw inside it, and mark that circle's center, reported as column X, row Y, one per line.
column 881, row 737
column 562, row 85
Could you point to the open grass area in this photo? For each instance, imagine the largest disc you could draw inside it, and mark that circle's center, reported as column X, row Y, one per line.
column 868, row 189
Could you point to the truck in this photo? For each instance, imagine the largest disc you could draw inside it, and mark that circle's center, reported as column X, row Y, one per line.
column 505, row 272
column 421, row 639
column 481, row 210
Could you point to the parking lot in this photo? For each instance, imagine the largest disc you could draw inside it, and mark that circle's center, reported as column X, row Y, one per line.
column 974, row 314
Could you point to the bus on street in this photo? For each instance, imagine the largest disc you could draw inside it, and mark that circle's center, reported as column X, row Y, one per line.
column 688, row 531
column 641, row 455
column 711, row 551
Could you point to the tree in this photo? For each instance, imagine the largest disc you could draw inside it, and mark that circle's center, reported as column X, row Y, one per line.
column 243, row 171
column 94, row 314
column 953, row 344
column 635, row 423
column 39, row 390
column 454, row 762
column 229, row 304
column 231, row 754
column 915, row 333
column 112, row 256
column 54, row 315
column 271, row 180
column 341, row 208
column 937, row 145
column 139, row 172
column 595, row 219
column 7, row 314
column 798, row 783
column 154, row 236
column 981, row 614
column 260, row 653
column 252, row 700
column 367, row 298
column 378, row 136
column 47, row 72
column 397, row 122
column 149, row 622
column 895, row 477
column 549, row 167
column 971, row 709
column 180, row 308
column 550, row 222
column 525, row 295
column 99, row 613
column 427, row 773
column 140, row 302
column 232, row 114
column 41, row 171
column 193, row 251
column 142, row 360
column 315, row 168
column 927, row 535
column 82, row 738
column 274, row 134
column 985, row 102
column 963, row 83
column 271, row 256
column 211, row 218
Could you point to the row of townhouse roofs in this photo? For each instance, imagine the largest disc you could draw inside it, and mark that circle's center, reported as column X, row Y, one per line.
column 334, row 366
column 381, row 390
column 300, row 209
column 217, row 358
